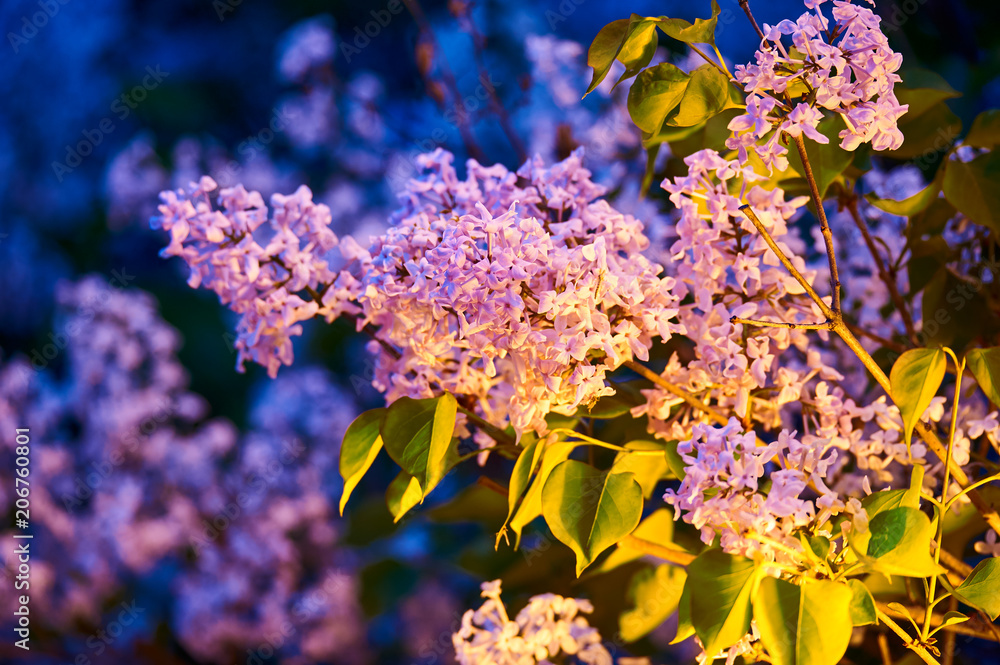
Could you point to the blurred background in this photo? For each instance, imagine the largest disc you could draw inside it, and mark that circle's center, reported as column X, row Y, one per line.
column 187, row 513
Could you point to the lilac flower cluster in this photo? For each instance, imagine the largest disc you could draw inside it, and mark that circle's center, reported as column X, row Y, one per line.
column 519, row 290
column 258, row 281
column 132, row 481
column 721, row 492
column 549, row 627
column 846, row 67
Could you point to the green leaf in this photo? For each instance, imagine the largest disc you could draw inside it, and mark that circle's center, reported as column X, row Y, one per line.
column 590, row 510
column 417, row 434
column 828, row 160
column 985, row 132
column 972, row 188
column 531, row 505
column 656, row 92
column 527, row 464
column 862, row 604
column 915, row 379
column 981, row 589
column 358, row 450
column 684, row 627
column 702, row 31
column 909, row 206
column 403, row 493
column 950, row 619
column 648, row 469
column 900, row 543
column 985, row 366
column 929, row 126
column 604, row 49
column 707, row 94
column 803, row 625
column 720, row 602
column 931, row 223
column 653, row 595
column 880, row 502
column 955, row 312
column 674, row 460
column 658, row 528
column 638, row 48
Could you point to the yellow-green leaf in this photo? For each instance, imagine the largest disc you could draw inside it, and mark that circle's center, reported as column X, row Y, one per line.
column 403, row 493
column 862, row 604
column 417, row 434
column 803, row 625
column 901, row 543
column 361, row 445
column 590, row 510
column 985, row 366
column 721, row 586
column 915, row 379
column 653, row 595
column 981, row 589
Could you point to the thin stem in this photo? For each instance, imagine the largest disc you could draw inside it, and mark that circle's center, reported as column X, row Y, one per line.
column 948, row 648
column 974, row 627
column 710, row 61
column 831, row 255
column 691, row 400
column 971, row 488
column 785, row 261
column 932, row 586
column 745, row 4
column 449, row 79
column 883, row 647
column 895, row 627
column 722, row 61
column 890, row 282
column 588, row 440
column 492, row 430
column 782, row 324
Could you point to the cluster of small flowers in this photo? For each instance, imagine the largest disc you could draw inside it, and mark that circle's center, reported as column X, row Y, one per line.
column 724, row 268
column 132, row 479
column 748, row 645
column 547, row 627
column 521, row 290
column 259, row 282
column 725, row 467
column 853, row 77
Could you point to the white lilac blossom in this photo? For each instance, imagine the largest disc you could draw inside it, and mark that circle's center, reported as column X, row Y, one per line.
column 547, row 628
column 519, row 290
column 844, row 66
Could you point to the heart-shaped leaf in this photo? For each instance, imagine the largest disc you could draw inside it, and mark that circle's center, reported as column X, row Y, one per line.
column 803, row 625
column 361, row 445
column 915, row 379
column 590, row 510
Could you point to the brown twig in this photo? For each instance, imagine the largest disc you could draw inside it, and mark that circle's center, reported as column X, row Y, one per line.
column 973, row 627
column 745, row 4
column 883, row 273
column 894, row 627
column 781, row 324
column 688, row 398
column 413, row 6
column 824, row 225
